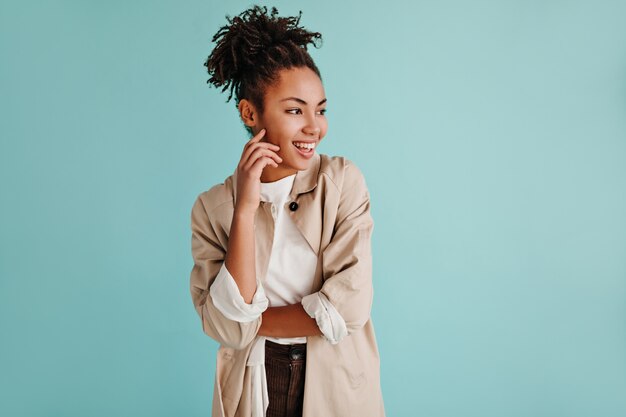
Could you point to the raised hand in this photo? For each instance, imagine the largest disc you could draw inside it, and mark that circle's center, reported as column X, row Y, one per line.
column 256, row 155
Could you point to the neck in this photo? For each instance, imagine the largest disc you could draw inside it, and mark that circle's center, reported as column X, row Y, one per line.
column 271, row 174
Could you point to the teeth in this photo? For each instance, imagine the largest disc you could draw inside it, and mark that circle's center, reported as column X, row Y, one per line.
column 304, row 145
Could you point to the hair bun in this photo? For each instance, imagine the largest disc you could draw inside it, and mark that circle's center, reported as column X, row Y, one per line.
column 252, row 49
column 248, row 39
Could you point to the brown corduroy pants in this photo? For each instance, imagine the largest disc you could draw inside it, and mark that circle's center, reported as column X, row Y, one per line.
column 285, row 367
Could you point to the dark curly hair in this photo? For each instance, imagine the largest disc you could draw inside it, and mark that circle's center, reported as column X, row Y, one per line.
column 253, row 48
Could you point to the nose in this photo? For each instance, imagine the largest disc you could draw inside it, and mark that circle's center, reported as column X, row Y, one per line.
column 312, row 130
column 312, row 127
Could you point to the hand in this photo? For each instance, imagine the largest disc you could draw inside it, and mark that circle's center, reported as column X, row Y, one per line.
column 255, row 157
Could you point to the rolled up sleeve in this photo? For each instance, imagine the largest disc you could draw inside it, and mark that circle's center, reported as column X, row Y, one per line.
column 208, row 255
column 228, row 299
column 330, row 322
column 347, row 259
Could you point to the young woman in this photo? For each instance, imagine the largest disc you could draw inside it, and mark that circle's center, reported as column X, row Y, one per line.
column 282, row 275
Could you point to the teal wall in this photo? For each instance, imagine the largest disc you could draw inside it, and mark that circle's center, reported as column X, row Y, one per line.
column 493, row 139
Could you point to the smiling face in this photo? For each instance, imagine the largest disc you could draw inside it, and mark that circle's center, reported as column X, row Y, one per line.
column 294, row 113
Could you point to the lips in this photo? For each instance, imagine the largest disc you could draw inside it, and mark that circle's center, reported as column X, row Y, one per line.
column 306, row 153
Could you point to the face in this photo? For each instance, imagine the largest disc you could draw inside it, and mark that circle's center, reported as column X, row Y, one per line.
column 294, row 112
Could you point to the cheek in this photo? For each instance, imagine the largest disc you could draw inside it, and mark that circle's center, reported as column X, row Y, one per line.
column 279, row 130
column 323, row 127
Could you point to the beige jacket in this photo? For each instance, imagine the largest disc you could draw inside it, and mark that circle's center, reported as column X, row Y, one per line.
column 332, row 210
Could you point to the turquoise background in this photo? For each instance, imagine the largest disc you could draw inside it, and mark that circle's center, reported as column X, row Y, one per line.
column 493, row 139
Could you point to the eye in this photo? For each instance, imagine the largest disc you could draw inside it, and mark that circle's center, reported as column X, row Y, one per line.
column 322, row 112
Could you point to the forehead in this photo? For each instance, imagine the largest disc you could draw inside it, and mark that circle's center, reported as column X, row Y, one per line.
column 297, row 82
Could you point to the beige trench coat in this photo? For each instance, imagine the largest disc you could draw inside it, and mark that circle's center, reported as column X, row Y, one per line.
column 333, row 214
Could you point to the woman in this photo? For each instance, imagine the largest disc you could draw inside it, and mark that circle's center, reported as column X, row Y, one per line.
column 282, row 274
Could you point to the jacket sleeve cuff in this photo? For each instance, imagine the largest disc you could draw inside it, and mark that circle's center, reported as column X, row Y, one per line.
column 328, row 319
column 229, row 301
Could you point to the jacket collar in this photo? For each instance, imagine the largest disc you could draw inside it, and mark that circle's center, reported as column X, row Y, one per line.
column 305, row 180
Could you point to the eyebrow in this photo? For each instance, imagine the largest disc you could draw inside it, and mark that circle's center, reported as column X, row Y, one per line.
column 299, row 100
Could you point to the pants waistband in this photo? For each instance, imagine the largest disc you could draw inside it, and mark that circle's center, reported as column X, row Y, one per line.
column 295, row 351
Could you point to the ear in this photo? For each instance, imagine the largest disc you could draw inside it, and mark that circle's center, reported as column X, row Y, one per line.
column 248, row 113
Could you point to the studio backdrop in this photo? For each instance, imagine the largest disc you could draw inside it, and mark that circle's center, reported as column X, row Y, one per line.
column 492, row 135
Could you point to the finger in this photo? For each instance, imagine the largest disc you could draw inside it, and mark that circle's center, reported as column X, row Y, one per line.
column 258, row 147
column 252, row 140
column 259, row 153
column 256, row 138
column 261, row 163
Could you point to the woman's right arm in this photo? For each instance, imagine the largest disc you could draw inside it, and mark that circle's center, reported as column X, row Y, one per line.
column 208, row 252
column 216, row 294
column 240, row 254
